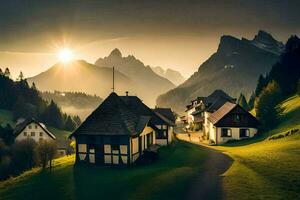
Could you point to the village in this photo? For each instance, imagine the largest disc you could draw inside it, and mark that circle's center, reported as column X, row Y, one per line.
column 123, row 130
column 149, row 100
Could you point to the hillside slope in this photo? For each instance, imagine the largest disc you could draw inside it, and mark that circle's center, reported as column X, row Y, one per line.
column 266, row 168
column 234, row 68
column 80, row 76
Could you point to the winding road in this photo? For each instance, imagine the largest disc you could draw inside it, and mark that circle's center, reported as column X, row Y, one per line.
column 208, row 183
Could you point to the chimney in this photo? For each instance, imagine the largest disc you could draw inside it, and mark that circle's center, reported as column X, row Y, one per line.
column 126, row 93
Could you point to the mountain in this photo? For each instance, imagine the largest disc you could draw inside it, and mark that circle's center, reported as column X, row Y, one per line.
column 170, row 74
column 148, row 85
column 234, row 68
column 80, row 76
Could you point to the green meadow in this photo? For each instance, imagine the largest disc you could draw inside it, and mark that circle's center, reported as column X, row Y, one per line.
column 267, row 169
column 168, row 178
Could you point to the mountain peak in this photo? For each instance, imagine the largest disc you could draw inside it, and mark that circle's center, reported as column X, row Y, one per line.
column 228, row 43
column 267, row 42
column 115, row 53
column 264, row 36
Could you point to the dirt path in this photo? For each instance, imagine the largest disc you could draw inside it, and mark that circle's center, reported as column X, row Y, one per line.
column 208, row 184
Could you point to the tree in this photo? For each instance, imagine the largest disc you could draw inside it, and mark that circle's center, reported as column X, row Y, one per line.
column 21, row 76
column 243, row 102
column 261, row 83
column 266, row 106
column 24, row 155
column 52, row 115
column 47, row 151
column 77, row 120
column 1, row 72
column 6, row 134
column 251, row 101
column 7, row 72
column 70, row 125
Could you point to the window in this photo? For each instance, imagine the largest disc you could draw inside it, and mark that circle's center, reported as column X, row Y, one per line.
column 32, row 134
column 29, row 126
column 36, row 126
column 237, row 117
column 25, row 134
column 92, row 153
column 226, row 132
column 244, row 132
column 41, row 134
column 82, row 148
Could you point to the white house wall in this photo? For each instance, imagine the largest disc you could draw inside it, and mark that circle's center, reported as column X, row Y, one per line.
column 235, row 134
column 190, row 117
column 36, row 129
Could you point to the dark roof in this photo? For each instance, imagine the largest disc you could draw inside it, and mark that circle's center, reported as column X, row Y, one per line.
column 112, row 117
column 119, row 115
column 218, row 103
column 214, row 101
column 166, row 112
column 22, row 125
column 224, row 117
column 137, row 106
column 220, row 113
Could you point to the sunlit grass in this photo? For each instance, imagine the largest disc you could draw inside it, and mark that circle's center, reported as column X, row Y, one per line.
column 267, row 169
column 168, row 178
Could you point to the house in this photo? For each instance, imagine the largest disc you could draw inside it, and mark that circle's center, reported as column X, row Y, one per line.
column 201, row 107
column 31, row 128
column 231, row 122
column 119, row 131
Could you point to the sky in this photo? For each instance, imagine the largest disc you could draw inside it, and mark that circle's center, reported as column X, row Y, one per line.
column 177, row 34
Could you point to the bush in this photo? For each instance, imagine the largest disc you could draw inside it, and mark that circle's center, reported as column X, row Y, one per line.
column 47, row 151
column 24, row 155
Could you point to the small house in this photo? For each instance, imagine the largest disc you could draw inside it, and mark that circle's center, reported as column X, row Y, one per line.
column 231, row 122
column 31, row 128
column 118, row 132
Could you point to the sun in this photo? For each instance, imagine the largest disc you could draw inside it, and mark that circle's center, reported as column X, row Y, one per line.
column 65, row 55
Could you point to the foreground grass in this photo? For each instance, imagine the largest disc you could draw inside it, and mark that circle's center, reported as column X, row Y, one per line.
column 168, row 178
column 265, row 169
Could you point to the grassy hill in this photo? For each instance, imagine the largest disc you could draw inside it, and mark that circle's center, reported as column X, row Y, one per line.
column 6, row 117
column 267, row 169
column 168, row 178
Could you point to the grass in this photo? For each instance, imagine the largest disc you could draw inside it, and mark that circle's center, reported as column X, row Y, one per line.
column 168, row 178
column 265, row 169
column 6, row 117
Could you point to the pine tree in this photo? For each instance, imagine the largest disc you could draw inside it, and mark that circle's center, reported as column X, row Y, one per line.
column 77, row 120
column 21, row 76
column 251, row 101
column 70, row 125
column 7, row 73
column 266, row 110
column 261, row 83
column 243, row 102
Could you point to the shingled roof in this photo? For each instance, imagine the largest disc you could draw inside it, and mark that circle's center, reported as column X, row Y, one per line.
column 166, row 112
column 137, row 106
column 22, row 125
column 219, row 118
column 119, row 115
column 220, row 113
column 112, row 117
